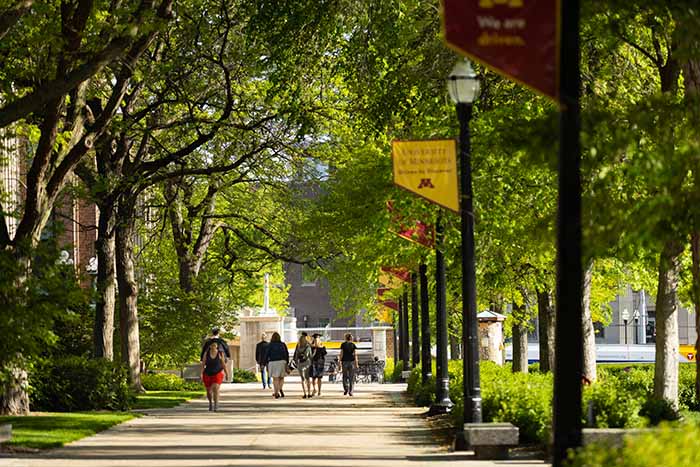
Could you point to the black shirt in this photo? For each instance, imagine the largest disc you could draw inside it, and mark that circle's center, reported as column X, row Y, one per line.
column 348, row 349
column 221, row 344
column 319, row 354
column 214, row 365
column 276, row 351
column 260, row 352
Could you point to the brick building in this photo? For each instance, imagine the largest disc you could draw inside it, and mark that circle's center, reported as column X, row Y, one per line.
column 76, row 219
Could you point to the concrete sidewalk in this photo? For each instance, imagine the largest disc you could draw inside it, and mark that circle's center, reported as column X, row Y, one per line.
column 253, row 429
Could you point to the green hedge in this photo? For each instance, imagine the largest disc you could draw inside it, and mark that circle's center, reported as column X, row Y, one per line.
column 621, row 398
column 170, row 382
column 162, row 382
column 73, row 384
column 392, row 371
column 665, row 446
column 243, row 376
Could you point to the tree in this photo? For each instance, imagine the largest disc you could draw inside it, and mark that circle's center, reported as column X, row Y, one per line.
column 47, row 80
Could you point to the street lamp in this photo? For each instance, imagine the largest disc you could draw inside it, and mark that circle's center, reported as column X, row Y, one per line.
column 625, row 318
column 464, row 86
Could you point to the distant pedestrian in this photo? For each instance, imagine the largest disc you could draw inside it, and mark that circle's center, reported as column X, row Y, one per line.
column 213, row 371
column 221, row 344
column 333, row 369
column 277, row 357
column 318, row 363
column 260, row 355
column 302, row 360
column 348, row 358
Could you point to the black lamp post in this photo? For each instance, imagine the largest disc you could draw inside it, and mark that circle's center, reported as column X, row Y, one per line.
column 463, row 86
column 442, row 403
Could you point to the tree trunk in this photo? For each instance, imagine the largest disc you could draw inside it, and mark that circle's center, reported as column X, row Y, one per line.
column 14, row 398
column 106, row 283
column 666, row 368
column 454, row 348
column 695, row 249
column 546, row 326
column 128, row 293
column 519, row 348
column 589, row 352
column 691, row 85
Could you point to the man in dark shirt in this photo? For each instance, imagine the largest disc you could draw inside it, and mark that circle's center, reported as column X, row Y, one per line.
column 261, row 359
column 348, row 358
column 223, row 346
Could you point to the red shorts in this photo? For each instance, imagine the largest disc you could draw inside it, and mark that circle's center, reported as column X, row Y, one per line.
column 216, row 379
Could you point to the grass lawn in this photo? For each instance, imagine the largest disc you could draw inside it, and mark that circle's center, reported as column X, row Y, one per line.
column 164, row 399
column 45, row 430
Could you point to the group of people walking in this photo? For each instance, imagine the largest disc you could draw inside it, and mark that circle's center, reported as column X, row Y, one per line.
column 309, row 360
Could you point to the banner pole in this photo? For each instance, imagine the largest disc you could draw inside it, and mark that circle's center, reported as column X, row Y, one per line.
column 569, row 335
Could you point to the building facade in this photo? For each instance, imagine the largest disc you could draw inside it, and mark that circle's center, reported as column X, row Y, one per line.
column 310, row 303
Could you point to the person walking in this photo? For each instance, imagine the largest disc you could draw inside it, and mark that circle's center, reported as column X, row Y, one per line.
column 213, row 371
column 302, row 361
column 318, row 363
column 348, row 359
column 260, row 354
column 277, row 358
column 221, row 344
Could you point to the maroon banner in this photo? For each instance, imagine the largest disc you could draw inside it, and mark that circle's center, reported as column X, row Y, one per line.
column 515, row 38
column 400, row 273
column 387, row 303
column 418, row 231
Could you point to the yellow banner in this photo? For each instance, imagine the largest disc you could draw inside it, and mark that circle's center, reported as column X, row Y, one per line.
column 385, row 315
column 389, row 281
column 428, row 168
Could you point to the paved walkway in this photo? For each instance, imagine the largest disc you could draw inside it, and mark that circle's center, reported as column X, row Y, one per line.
column 252, row 429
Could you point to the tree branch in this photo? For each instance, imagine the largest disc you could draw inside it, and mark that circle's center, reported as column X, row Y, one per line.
column 9, row 17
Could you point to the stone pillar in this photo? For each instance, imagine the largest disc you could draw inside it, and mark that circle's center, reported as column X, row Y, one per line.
column 491, row 336
column 379, row 342
column 251, row 327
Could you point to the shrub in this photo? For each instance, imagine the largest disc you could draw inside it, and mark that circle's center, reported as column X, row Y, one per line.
column 659, row 410
column 243, row 376
column 192, row 385
column 665, row 446
column 392, row 371
column 162, row 382
column 621, row 397
column 388, row 369
column 613, row 405
column 686, row 387
column 423, row 394
column 77, row 383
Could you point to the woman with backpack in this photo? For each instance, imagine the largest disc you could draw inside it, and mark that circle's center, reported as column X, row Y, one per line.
column 213, row 371
column 318, row 363
column 302, row 360
column 277, row 358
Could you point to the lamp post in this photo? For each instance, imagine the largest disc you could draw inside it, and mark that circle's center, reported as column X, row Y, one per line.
column 463, row 86
column 442, row 403
column 415, row 322
column 426, row 358
column 625, row 318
